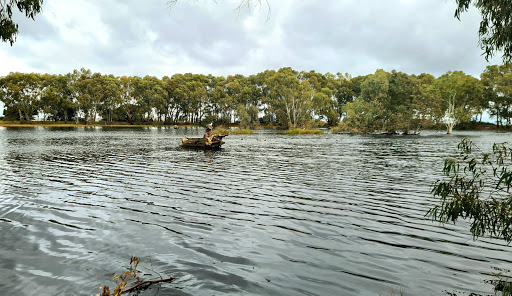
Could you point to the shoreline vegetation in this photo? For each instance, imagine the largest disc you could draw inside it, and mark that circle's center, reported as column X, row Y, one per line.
column 235, row 129
column 380, row 103
column 298, row 131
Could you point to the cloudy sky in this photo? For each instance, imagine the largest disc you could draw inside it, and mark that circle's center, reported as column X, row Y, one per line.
column 135, row 37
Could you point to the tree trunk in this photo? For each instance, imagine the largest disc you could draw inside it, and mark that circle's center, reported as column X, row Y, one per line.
column 449, row 129
column 28, row 117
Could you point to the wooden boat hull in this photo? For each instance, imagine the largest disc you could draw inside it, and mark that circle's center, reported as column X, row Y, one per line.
column 200, row 144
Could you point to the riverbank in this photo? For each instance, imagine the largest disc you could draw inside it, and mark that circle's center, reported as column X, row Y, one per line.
column 5, row 123
column 73, row 124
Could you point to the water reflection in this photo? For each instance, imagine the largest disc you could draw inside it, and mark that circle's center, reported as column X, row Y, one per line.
column 267, row 214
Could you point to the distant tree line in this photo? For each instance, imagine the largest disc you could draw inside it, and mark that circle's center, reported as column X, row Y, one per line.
column 380, row 102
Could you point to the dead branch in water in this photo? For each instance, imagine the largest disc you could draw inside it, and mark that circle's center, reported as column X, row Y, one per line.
column 132, row 273
column 148, row 282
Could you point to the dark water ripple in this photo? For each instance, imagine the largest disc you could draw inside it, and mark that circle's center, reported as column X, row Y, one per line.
column 267, row 215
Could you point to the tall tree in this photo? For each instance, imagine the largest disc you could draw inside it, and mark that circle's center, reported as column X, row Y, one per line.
column 375, row 90
column 460, row 97
column 22, row 92
column 110, row 97
column 290, row 98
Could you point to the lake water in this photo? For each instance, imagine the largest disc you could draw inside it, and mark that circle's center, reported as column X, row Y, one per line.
column 268, row 214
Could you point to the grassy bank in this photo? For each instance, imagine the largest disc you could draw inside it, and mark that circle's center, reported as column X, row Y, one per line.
column 74, row 124
column 298, row 131
column 233, row 131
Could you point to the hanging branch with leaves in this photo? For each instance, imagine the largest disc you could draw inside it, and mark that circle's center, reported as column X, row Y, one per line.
column 477, row 187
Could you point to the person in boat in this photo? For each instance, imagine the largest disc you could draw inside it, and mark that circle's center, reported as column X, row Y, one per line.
column 208, row 135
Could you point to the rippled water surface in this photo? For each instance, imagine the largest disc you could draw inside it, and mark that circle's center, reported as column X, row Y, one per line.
column 269, row 214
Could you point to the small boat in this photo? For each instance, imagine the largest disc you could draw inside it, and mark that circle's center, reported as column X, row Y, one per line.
column 200, row 143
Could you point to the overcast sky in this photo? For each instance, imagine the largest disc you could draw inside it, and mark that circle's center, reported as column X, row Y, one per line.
column 135, row 37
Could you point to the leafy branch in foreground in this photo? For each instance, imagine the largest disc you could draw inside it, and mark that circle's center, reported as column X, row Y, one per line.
column 8, row 28
column 495, row 31
column 131, row 276
column 477, row 187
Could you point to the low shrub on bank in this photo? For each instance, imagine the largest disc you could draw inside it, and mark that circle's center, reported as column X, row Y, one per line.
column 233, row 131
column 336, row 130
column 298, row 131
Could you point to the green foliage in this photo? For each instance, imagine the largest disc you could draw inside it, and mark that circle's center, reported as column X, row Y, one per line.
column 361, row 116
column 460, row 98
column 477, row 187
column 502, row 282
column 495, row 31
column 290, row 97
column 8, row 28
column 380, row 102
column 299, row 131
column 497, row 83
column 248, row 116
column 21, row 92
column 389, row 102
column 223, row 131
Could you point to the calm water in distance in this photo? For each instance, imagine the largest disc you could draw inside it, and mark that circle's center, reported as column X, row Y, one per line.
column 269, row 214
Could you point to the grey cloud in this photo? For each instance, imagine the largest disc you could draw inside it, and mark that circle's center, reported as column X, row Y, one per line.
column 38, row 28
column 328, row 36
column 418, row 37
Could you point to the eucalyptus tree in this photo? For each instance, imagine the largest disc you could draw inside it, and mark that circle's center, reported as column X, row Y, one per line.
column 324, row 103
column 391, row 102
column 403, row 109
column 256, row 91
column 497, row 82
column 128, row 98
column 342, row 88
column 22, row 92
column 91, row 99
column 67, row 104
column 233, row 87
column 50, row 100
column 359, row 115
column 57, row 97
column 505, row 89
column 325, row 106
column 356, row 84
column 374, row 91
column 187, row 96
column 196, row 93
column 460, row 96
column 109, row 97
column 216, row 93
column 84, row 93
column 176, row 97
column 172, row 102
column 151, row 98
column 248, row 116
column 290, row 97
